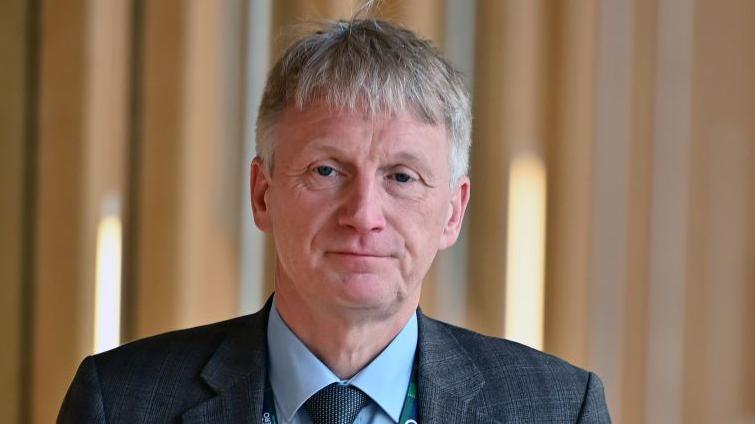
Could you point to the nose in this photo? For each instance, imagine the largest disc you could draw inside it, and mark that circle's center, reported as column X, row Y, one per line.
column 362, row 207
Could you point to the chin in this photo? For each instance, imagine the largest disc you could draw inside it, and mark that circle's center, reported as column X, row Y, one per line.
column 366, row 291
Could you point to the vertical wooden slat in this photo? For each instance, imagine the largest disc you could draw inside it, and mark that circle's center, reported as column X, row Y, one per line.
column 62, row 302
column 670, row 210
column 715, row 352
column 569, row 180
column 487, row 228
column 510, row 85
column 254, row 286
column 209, row 174
column 15, row 47
column 636, row 292
column 610, row 196
column 189, row 209
column 83, row 99
column 107, row 122
column 450, row 265
column 155, row 259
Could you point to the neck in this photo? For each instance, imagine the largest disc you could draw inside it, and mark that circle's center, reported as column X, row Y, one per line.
column 346, row 343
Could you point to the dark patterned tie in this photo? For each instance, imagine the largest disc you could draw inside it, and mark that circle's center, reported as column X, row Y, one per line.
column 336, row 404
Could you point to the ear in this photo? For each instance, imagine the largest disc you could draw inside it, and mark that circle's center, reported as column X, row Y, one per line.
column 457, row 209
column 259, row 184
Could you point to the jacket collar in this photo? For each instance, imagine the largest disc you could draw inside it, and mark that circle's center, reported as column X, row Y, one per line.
column 237, row 371
column 448, row 380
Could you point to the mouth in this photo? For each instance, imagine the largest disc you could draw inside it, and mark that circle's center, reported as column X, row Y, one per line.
column 359, row 254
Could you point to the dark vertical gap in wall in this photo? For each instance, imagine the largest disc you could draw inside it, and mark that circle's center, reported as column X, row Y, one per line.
column 133, row 173
column 31, row 122
column 243, row 115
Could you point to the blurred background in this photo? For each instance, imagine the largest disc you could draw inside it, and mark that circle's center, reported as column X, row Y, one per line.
column 612, row 219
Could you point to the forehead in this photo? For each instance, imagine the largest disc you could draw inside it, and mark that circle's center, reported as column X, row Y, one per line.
column 319, row 125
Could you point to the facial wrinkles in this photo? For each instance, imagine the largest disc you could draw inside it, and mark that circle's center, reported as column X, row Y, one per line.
column 420, row 202
column 370, row 154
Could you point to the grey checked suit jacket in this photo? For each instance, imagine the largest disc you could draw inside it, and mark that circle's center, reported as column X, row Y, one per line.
column 216, row 374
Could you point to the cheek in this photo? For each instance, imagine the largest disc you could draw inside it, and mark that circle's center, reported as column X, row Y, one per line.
column 421, row 228
column 422, row 221
column 298, row 219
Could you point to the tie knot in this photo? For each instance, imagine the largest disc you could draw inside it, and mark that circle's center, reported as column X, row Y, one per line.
column 336, row 404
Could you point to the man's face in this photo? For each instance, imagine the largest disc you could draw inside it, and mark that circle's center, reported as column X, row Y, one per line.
column 358, row 207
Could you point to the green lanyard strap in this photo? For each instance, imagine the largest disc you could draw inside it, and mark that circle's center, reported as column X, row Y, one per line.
column 409, row 413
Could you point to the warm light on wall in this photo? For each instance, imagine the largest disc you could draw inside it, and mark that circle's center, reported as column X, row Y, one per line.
column 107, row 307
column 525, row 258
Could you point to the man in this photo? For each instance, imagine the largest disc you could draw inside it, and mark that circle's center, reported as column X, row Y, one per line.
column 361, row 177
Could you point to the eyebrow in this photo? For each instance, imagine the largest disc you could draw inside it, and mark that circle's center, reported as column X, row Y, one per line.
column 402, row 156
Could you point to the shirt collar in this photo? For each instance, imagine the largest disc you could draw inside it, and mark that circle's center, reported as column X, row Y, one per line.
column 296, row 373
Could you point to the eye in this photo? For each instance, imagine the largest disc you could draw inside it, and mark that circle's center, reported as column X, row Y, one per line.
column 325, row 171
column 402, row 177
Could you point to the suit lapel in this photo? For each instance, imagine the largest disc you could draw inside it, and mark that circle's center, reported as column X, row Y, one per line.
column 237, row 373
column 448, row 380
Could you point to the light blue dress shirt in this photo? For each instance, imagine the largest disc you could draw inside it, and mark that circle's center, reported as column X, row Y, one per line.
column 296, row 374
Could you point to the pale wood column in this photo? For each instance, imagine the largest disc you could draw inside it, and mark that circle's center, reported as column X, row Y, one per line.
column 638, row 238
column 671, row 209
column 487, row 226
column 187, row 209
column 83, row 97
column 510, row 120
column 718, row 303
column 155, row 204
column 61, row 304
column 451, row 265
column 209, row 173
column 570, row 180
column 254, row 286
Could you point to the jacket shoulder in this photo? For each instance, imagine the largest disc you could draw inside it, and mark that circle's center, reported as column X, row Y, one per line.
column 201, row 341
column 491, row 353
column 523, row 382
column 153, row 379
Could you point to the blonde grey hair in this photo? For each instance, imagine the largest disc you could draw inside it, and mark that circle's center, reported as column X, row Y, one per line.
column 372, row 65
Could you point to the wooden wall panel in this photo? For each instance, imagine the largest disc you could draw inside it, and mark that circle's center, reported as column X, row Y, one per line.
column 569, row 155
column 641, row 136
column 510, row 119
column 155, row 261
column 15, row 48
column 715, row 360
column 671, row 209
column 188, row 208
column 487, row 226
column 209, row 173
column 62, row 327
